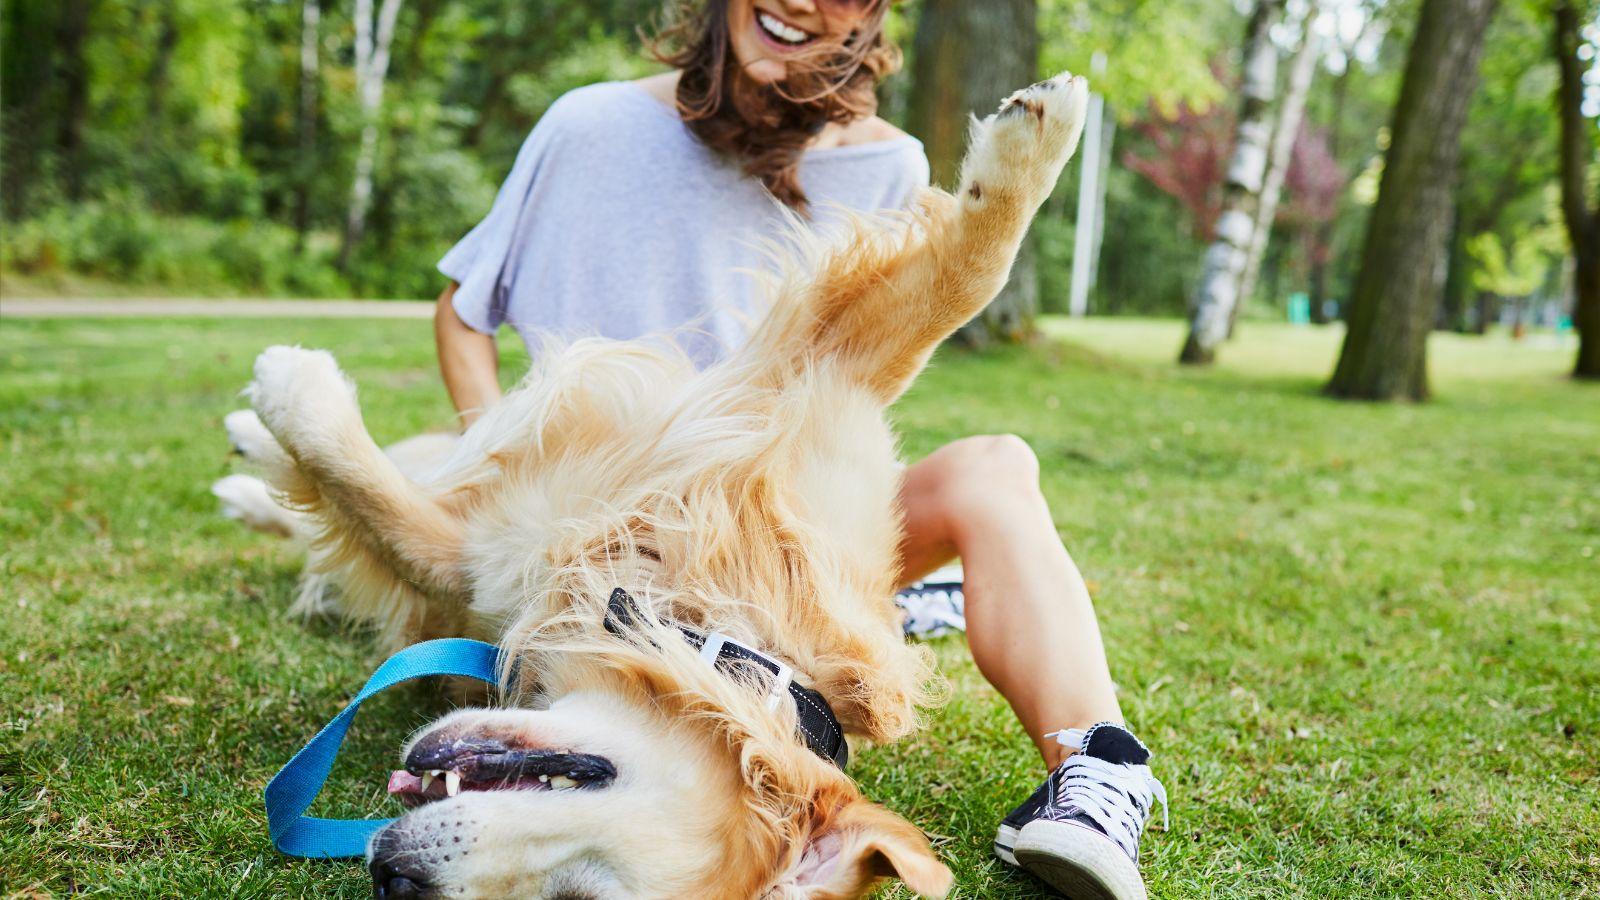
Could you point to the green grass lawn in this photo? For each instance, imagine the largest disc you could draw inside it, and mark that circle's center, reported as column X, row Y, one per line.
column 1364, row 641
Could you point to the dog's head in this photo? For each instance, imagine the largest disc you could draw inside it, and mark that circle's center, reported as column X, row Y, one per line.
column 619, row 791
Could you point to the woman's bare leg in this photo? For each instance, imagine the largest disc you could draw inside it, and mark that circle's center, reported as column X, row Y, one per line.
column 1030, row 622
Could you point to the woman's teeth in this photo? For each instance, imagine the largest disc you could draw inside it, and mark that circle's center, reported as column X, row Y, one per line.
column 777, row 28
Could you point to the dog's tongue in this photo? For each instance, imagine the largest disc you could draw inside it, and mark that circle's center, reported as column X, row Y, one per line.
column 403, row 782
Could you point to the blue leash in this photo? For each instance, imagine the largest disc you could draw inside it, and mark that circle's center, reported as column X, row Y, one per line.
column 290, row 792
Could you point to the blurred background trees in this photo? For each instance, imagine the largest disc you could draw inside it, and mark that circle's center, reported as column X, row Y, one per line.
column 1394, row 302
column 964, row 56
column 224, row 147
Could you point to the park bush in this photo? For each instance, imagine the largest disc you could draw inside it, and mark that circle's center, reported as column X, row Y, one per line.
column 121, row 241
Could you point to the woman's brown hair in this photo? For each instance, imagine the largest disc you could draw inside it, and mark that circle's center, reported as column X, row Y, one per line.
column 767, row 126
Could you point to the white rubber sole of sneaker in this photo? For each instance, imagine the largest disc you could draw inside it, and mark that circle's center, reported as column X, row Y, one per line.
column 1004, row 840
column 1077, row 861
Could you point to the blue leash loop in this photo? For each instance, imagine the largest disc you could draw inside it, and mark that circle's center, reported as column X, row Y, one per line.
column 290, row 792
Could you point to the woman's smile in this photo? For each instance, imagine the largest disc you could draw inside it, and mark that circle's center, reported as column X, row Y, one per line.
column 780, row 34
column 765, row 34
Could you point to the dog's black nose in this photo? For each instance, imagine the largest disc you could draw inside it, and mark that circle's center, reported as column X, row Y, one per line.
column 389, row 883
column 392, row 879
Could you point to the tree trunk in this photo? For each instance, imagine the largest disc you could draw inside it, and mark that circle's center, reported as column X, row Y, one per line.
column 1483, row 312
column 1290, row 112
column 966, row 58
column 372, row 65
column 1384, row 356
column 1217, row 292
column 1583, row 222
column 1457, row 277
column 159, row 77
column 72, row 31
column 310, row 79
column 28, row 96
column 1319, row 281
column 1586, row 315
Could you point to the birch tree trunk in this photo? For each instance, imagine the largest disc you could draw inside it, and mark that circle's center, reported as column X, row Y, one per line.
column 966, row 58
column 1392, row 306
column 310, row 79
column 1290, row 112
column 1216, row 294
column 372, row 65
column 1582, row 220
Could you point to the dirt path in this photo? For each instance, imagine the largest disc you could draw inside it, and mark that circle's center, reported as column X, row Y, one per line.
column 151, row 307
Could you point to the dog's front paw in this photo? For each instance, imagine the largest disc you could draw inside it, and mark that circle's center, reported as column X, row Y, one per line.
column 297, row 391
column 1020, row 150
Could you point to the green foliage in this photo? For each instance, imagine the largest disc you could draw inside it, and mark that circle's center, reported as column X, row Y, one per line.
column 1155, row 52
column 1367, row 666
column 125, row 242
column 1508, row 149
column 1053, row 237
column 601, row 57
column 1535, row 249
column 1150, row 258
column 190, row 114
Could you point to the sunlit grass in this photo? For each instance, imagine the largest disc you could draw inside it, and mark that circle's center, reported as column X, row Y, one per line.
column 1277, row 349
column 1362, row 639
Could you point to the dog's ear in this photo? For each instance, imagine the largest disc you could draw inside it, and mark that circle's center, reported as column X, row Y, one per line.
column 859, row 844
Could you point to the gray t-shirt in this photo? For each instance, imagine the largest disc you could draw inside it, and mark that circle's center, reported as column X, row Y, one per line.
column 616, row 221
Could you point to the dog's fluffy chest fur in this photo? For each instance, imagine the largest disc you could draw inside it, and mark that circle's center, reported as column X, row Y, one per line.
column 766, row 515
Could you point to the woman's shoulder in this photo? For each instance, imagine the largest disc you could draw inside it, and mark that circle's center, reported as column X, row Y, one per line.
column 877, row 145
column 604, row 110
column 603, row 101
column 872, row 130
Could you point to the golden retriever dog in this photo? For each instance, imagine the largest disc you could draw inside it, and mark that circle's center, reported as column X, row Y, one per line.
column 752, row 502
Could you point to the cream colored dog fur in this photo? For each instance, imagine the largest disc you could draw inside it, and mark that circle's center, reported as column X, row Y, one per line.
column 755, row 498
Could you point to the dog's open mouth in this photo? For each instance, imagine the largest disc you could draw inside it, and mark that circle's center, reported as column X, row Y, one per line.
column 439, row 769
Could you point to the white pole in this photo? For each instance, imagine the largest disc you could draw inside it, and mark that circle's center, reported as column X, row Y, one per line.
column 1108, row 133
column 1083, row 239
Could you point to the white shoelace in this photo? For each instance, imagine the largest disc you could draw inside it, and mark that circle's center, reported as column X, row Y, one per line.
column 1117, row 797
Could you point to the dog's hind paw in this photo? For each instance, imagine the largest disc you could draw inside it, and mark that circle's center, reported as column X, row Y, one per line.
column 1018, row 152
column 251, row 439
column 247, row 499
column 297, row 392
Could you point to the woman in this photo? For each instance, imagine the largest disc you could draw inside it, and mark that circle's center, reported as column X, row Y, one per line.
column 634, row 205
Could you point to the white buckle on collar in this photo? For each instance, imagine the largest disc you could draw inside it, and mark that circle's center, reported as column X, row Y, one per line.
column 711, row 651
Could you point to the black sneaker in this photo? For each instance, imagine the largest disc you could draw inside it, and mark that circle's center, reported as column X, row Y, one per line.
column 1079, row 832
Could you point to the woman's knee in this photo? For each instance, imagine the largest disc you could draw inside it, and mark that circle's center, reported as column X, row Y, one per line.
column 987, row 471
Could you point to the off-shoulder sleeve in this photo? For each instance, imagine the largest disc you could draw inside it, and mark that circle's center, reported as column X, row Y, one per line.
column 477, row 260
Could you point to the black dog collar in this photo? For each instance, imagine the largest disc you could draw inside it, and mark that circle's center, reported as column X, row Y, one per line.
column 818, row 725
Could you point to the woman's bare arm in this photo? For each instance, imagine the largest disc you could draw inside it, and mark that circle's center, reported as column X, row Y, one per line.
column 469, row 361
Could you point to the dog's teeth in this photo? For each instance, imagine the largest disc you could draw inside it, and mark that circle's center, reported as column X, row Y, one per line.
column 562, row 782
column 452, row 783
column 427, row 779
